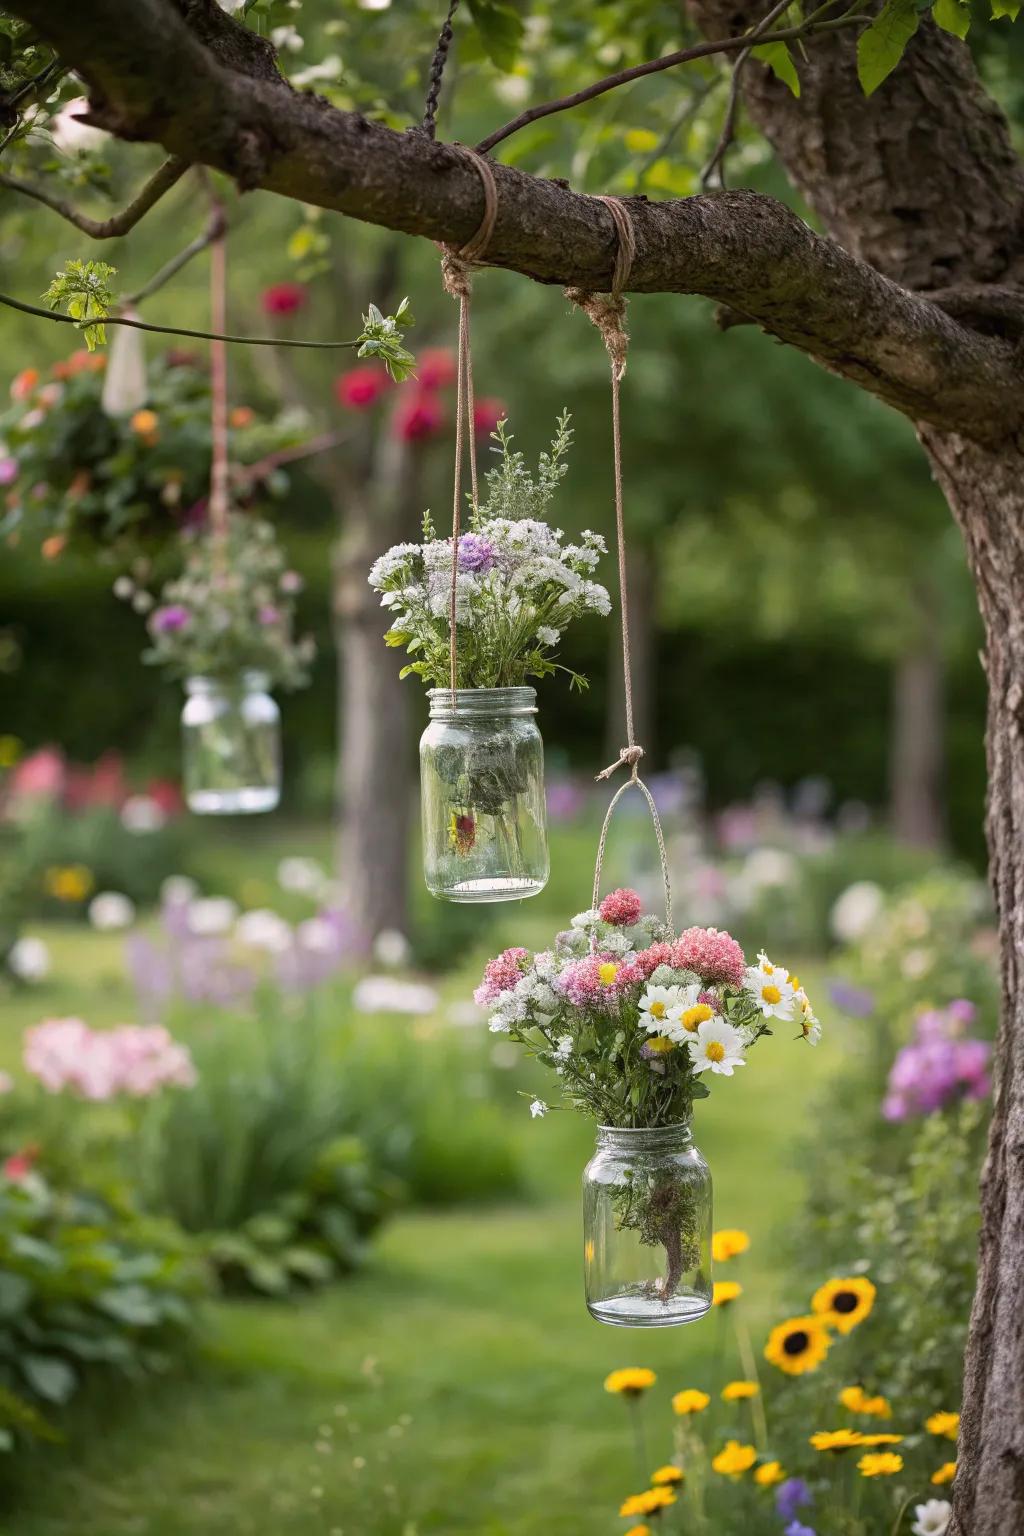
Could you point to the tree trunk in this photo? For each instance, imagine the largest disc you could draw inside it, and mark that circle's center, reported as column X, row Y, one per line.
column 374, row 776
column 641, row 587
column 986, row 493
column 917, row 748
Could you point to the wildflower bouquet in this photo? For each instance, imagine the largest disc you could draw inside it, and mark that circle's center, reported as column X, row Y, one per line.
column 517, row 586
column 635, row 1023
column 231, row 610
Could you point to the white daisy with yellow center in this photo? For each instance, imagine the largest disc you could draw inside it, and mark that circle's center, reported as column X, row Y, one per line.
column 660, row 1008
column 716, row 1046
column 770, row 987
column 806, row 1016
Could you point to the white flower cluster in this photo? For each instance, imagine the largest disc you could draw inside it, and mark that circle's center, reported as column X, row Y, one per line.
column 780, row 996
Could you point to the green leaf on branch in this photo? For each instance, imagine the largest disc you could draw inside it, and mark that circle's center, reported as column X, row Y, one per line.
column 1001, row 8
column 500, row 30
column 382, row 337
column 952, row 16
column 882, row 45
column 83, row 292
column 780, row 61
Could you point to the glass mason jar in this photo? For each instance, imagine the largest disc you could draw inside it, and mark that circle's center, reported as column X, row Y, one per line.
column 647, row 1228
column 231, row 742
column 482, row 795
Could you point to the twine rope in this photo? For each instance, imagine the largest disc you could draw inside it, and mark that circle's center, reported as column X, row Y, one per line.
column 219, row 502
column 457, row 275
column 608, row 313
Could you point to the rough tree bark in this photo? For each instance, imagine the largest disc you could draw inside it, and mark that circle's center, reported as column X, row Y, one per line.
column 917, row 297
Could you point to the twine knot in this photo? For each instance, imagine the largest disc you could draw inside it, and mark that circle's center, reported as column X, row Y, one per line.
column 608, row 312
column 629, row 757
column 456, row 273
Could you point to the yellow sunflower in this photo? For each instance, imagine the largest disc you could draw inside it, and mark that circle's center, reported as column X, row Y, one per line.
column 880, row 1464
column 725, row 1291
column 734, row 1459
column 690, row 1401
column 800, row 1344
column 729, row 1243
column 768, row 1474
column 651, row 1502
column 945, row 1424
column 837, row 1439
column 842, row 1304
column 668, row 1476
column 631, row 1381
column 945, row 1474
column 738, row 1391
column 858, row 1401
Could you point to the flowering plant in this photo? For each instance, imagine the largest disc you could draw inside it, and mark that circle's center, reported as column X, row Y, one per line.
column 633, row 1021
column 77, row 468
column 230, row 611
column 517, row 586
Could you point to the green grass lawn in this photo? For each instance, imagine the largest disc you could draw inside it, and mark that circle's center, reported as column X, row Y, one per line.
column 454, row 1385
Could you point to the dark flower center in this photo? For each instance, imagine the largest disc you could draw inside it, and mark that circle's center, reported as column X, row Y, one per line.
column 795, row 1343
column 845, row 1301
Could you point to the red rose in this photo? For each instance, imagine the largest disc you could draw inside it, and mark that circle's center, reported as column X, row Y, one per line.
column 283, row 298
column 362, row 387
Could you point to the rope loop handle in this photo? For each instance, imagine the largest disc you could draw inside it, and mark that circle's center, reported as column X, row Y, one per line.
column 637, row 781
column 456, row 273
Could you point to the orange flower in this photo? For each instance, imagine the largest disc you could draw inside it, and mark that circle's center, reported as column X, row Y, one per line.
column 53, row 546
column 724, row 1292
column 145, row 423
column 80, row 483
column 241, row 416
column 24, row 383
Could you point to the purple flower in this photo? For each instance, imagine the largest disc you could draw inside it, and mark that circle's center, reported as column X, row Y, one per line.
column 8, row 471
column 167, row 621
column 476, row 553
column 858, row 1002
column 269, row 614
column 939, row 1066
column 795, row 1528
column 790, row 1496
column 291, row 583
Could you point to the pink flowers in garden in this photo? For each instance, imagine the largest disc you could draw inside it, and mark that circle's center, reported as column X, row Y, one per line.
column 283, row 298
column 501, row 975
column 419, row 412
column 940, row 1066
column 136, row 1060
column 362, row 387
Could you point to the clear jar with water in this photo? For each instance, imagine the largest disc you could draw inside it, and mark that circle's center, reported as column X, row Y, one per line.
column 231, row 743
column 647, row 1228
column 482, row 795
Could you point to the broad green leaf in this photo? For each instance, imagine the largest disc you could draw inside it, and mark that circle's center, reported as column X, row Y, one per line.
column 780, row 61
column 881, row 46
column 15, row 1293
column 49, row 1377
column 500, row 30
column 640, row 141
column 1001, row 8
column 953, row 17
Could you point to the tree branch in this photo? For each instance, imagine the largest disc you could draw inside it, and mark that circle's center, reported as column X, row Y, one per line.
column 150, row 77
column 160, row 182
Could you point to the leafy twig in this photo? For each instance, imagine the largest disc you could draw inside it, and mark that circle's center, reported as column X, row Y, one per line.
column 725, row 138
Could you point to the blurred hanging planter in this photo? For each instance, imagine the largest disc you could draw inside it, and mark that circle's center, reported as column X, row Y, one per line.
column 636, row 1023
column 225, row 628
column 514, row 590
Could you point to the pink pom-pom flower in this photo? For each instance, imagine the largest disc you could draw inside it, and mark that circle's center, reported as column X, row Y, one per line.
column 714, row 955
column 621, row 908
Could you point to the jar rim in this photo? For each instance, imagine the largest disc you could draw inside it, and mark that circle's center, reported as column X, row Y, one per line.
column 204, row 682
column 476, row 702
column 645, row 1135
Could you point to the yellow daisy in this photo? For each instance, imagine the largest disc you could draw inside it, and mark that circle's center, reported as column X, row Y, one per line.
column 650, row 1502
column 725, row 1291
column 945, row 1474
column 734, row 1459
column 945, row 1424
column 639, row 1530
column 880, row 1464
column 836, row 1439
column 842, row 1304
column 737, row 1391
column 800, row 1344
column 668, row 1476
column 690, row 1401
column 867, row 1440
column 768, row 1474
column 858, row 1401
column 631, row 1381
column 729, row 1243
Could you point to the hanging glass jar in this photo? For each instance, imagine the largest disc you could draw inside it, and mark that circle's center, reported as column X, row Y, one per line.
column 647, row 1228
column 483, row 808
column 231, row 740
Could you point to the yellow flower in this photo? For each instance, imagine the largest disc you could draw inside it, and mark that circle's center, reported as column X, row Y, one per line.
column 668, row 1476
column 640, row 141
column 797, row 1345
column 946, row 1424
column 844, row 1303
column 68, row 882
column 734, row 1459
column 881, row 1464
column 725, row 1291
column 945, row 1474
column 858, row 1401
column 631, row 1381
column 867, row 1440
column 836, row 1439
column 729, row 1243
column 661, row 1044
column 10, row 751
column 695, row 1016
column 144, row 423
column 639, row 1530
column 769, row 1473
column 690, row 1401
column 650, row 1502
column 607, row 972
column 736, row 1391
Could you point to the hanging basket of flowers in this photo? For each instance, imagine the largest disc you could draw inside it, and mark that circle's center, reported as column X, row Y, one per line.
column 517, row 587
